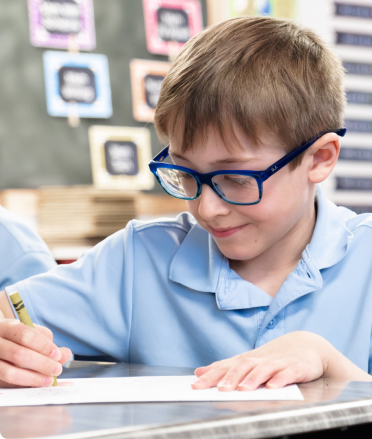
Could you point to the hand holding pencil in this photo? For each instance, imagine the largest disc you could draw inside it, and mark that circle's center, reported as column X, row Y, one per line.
column 28, row 356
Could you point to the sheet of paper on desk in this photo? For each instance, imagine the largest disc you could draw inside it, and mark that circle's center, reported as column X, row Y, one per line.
column 135, row 389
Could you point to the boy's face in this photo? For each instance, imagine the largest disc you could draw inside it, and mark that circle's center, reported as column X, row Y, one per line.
column 246, row 232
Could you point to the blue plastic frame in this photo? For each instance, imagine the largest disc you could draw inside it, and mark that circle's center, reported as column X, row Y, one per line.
column 259, row 176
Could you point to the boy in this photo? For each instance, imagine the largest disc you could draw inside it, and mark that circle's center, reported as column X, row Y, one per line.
column 261, row 277
column 22, row 252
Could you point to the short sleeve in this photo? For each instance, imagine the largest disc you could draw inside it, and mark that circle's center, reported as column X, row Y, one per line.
column 87, row 304
column 27, row 265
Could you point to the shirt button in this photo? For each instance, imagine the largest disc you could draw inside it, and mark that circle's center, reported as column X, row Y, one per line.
column 272, row 324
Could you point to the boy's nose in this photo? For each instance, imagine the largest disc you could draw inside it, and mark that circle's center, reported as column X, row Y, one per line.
column 211, row 205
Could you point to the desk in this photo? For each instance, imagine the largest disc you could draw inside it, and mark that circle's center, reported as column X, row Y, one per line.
column 328, row 404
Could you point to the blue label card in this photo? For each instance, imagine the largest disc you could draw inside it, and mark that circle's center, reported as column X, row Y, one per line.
column 358, row 68
column 354, row 39
column 353, row 10
column 354, row 183
column 77, row 84
column 358, row 125
column 355, row 154
column 359, row 97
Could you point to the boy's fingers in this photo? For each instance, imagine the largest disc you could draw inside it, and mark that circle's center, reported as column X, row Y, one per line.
column 46, row 332
column 202, row 370
column 235, row 375
column 217, row 364
column 21, row 334
column 260, row 375
column 2, row 316
column 11, row 376
column 66, row 354
column 23, row 357
column 284, row 377
column 209, row 379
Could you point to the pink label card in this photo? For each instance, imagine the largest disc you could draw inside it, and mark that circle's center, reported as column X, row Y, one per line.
column 170, row 24
column 62, row 24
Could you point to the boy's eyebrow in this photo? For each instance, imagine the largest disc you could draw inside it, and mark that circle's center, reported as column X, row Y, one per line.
column 216, row 162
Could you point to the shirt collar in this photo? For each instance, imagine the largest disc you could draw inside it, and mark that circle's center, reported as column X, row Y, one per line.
column 198, row 262
column 331, row 238
column 199, row 265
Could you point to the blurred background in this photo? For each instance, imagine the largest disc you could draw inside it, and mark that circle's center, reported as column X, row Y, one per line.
column 79, row 82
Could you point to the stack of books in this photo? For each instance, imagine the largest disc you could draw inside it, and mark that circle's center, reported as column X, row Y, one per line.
column 82, row 215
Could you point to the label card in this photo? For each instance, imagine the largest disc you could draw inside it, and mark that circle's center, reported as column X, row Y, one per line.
column 355, row 154
column 353, row 10
column 146, row 79
column 77, row 84
column 359, row 97
column 353, row 184
column 354, row 39
column 355, row 68
column 62, row 24
column 170, row 23
column 358, row 126
column 120, row 157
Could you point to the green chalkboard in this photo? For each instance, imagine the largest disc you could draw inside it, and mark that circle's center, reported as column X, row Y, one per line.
column 35, row 148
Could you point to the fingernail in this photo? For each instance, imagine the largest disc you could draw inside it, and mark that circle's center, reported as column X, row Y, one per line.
column 48, row 381
column 224, row 383
column 198, row 382
column 56, row 354
column 57, row 370
column 245, row 382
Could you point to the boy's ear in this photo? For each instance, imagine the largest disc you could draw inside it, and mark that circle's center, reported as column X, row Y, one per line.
column 324, row 155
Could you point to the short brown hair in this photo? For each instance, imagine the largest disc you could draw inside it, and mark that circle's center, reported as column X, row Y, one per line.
column 269, row 76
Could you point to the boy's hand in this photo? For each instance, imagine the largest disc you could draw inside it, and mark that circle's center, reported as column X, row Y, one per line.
column 28, row 357
column 297, row 357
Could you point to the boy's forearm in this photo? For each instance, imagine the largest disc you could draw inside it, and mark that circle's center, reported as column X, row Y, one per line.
column 341, row 368
column 5, row 307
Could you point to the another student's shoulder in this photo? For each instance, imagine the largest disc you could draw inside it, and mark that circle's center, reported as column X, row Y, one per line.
column 18, row 236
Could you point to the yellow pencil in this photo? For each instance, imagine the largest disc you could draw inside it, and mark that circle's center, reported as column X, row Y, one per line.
column 23, row 315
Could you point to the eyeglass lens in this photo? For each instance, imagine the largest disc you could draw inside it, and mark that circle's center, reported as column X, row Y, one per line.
column 233, row 187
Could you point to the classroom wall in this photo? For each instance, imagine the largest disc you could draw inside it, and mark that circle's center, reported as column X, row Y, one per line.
column 35, row 148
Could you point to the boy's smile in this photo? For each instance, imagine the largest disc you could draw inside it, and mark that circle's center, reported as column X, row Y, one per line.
column 223, row 233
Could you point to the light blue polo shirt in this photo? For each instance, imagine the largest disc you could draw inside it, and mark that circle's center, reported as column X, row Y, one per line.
column 22, row 252
column 161, row 293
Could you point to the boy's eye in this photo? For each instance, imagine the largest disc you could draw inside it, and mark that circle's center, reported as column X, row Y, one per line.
column 239, row 180
column 185, row 176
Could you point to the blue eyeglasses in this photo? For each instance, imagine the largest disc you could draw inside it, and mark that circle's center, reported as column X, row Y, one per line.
column 235, row 187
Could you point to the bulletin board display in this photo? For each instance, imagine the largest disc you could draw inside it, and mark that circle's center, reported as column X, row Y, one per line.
column 62, row 24
column 146, row 79
column 120, row 157
column 56, row 153
column 77, row 84
column 170, row 24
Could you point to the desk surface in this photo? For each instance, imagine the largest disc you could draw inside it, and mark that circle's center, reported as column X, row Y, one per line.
column 327, row 404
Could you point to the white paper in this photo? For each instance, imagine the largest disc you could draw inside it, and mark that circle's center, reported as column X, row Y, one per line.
column 136, row 389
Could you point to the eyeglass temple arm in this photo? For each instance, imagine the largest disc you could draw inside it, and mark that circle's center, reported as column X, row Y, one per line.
column 163, row 154
column 292, row 155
